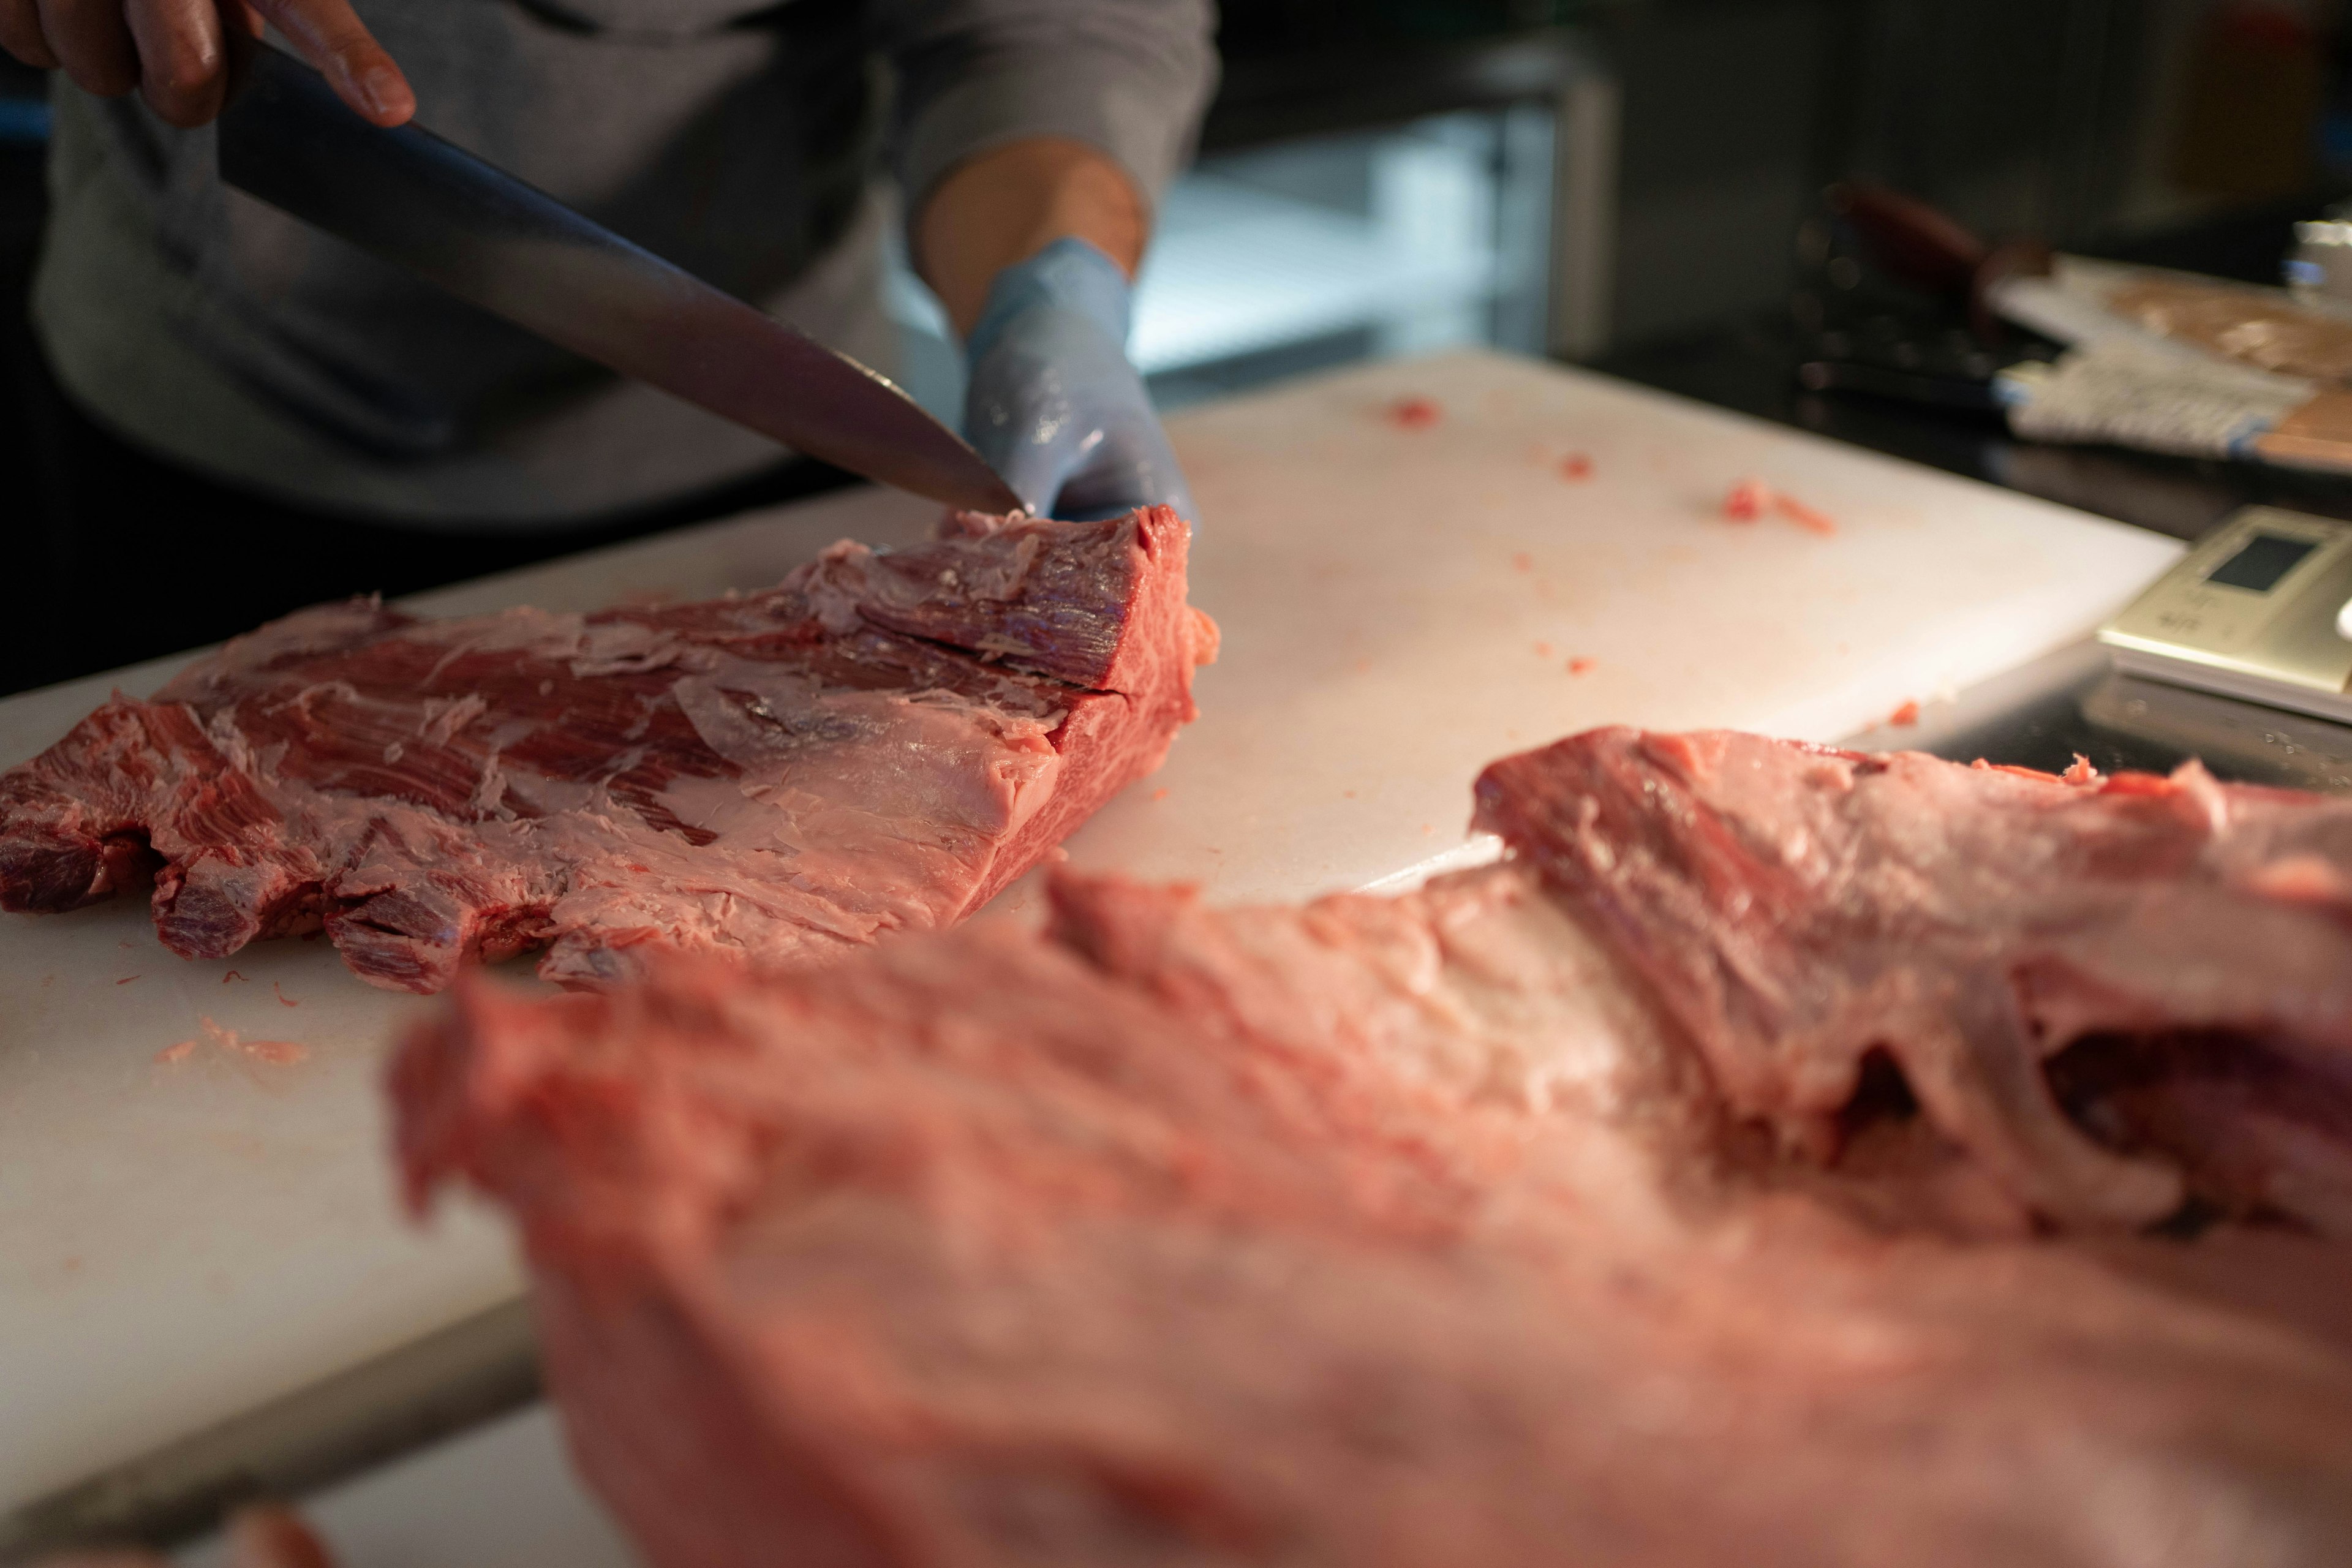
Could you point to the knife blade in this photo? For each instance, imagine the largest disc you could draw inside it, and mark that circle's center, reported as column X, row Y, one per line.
column 432, row 207
column 448, row 1381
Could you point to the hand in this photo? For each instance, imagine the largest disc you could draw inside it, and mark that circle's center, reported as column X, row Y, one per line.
column 1052, row 402
column 176, row 52
column 257, row 1538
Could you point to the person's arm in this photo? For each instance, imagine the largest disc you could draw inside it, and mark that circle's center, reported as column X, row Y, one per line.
column 1007, row 205
column 175, row 52
column 1034, row 137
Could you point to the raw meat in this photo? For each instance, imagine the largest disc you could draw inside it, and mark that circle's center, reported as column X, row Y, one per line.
column 1751, row 498
column 1797, row 908
column 879, row 743
column 1382, row 1231
column 2254, row 325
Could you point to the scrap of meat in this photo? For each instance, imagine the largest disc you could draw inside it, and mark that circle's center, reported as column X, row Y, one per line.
column 1751, row 497
column 1382, row 1231
column 878, row 744
column 2248, row 324
column 2186, row 944
column 277, row 1053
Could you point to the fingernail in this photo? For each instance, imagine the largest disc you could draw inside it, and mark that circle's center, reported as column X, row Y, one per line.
column 384, row 91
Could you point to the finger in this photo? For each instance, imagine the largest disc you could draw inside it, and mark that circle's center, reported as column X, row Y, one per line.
column 20, row 34
column 1030, row 435
column 92, row 43
column 1133, row 466
column 183, row 63
column 329, row 36
column 268, row 1537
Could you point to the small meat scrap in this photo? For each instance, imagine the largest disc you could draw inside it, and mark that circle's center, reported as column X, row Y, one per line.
column 1581, row 666
column 1576, row 465
column 1522, row 562
column 232, row 974
column 1907, row 716
column 876, row 744
column 181, row 1050
column 1414, row 413
column 277, row 1053
column 278, row 988
column 1806, row 517
column 1750, row 499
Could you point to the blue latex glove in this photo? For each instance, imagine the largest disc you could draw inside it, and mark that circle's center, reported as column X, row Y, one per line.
column 1053, row 404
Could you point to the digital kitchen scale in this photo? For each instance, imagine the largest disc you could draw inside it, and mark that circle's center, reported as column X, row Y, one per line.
column 2262, row 610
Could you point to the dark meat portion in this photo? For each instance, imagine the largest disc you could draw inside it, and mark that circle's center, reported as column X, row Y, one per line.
column 1796, row 908
column 1381, row 1231
column 879, row 743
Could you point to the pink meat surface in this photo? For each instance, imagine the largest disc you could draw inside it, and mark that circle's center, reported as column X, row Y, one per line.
column 1381, row 1231
column 878, row 744
column 1798, row 908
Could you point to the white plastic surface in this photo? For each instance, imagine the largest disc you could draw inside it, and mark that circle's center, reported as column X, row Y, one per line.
column 180, row 1242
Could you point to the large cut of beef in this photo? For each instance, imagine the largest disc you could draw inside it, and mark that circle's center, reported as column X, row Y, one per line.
column 1799, row 908
column 878, row 744
column 1570, row 1210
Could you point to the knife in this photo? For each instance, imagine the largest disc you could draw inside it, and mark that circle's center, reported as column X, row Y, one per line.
column 434, row 209
column 448, row 1381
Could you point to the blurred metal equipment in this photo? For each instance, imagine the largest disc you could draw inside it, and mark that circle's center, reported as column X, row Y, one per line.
column 1353, row 205
column 2319, row 269
column 2257, row 611
column 1549, row 109
column 1351, row 209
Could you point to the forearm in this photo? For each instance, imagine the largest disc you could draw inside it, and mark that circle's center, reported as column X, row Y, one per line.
column 1011, row 202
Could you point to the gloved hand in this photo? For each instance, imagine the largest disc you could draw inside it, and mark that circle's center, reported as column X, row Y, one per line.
column 1053, row 404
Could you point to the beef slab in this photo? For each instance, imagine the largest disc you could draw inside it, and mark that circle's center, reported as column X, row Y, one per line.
column 1798, row 908
column 879, row 743
column 1394, row 1231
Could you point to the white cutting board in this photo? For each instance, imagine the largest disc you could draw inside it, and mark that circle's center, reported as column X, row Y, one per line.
column 180, row 1242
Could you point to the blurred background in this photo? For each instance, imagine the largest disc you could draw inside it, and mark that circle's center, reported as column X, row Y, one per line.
column 1628, row 181
column 1637, row 185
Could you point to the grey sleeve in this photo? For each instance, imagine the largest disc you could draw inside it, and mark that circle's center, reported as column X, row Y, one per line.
column 1128, row 76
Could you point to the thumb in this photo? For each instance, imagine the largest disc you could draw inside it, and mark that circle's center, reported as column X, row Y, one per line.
column 329, row 35
column 270, row 1537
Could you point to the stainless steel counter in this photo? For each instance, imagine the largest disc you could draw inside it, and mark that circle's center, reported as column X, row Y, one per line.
column 2071, row 703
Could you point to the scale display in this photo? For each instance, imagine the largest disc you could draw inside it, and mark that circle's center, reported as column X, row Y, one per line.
column 2261, row 610
column 2259, row 564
